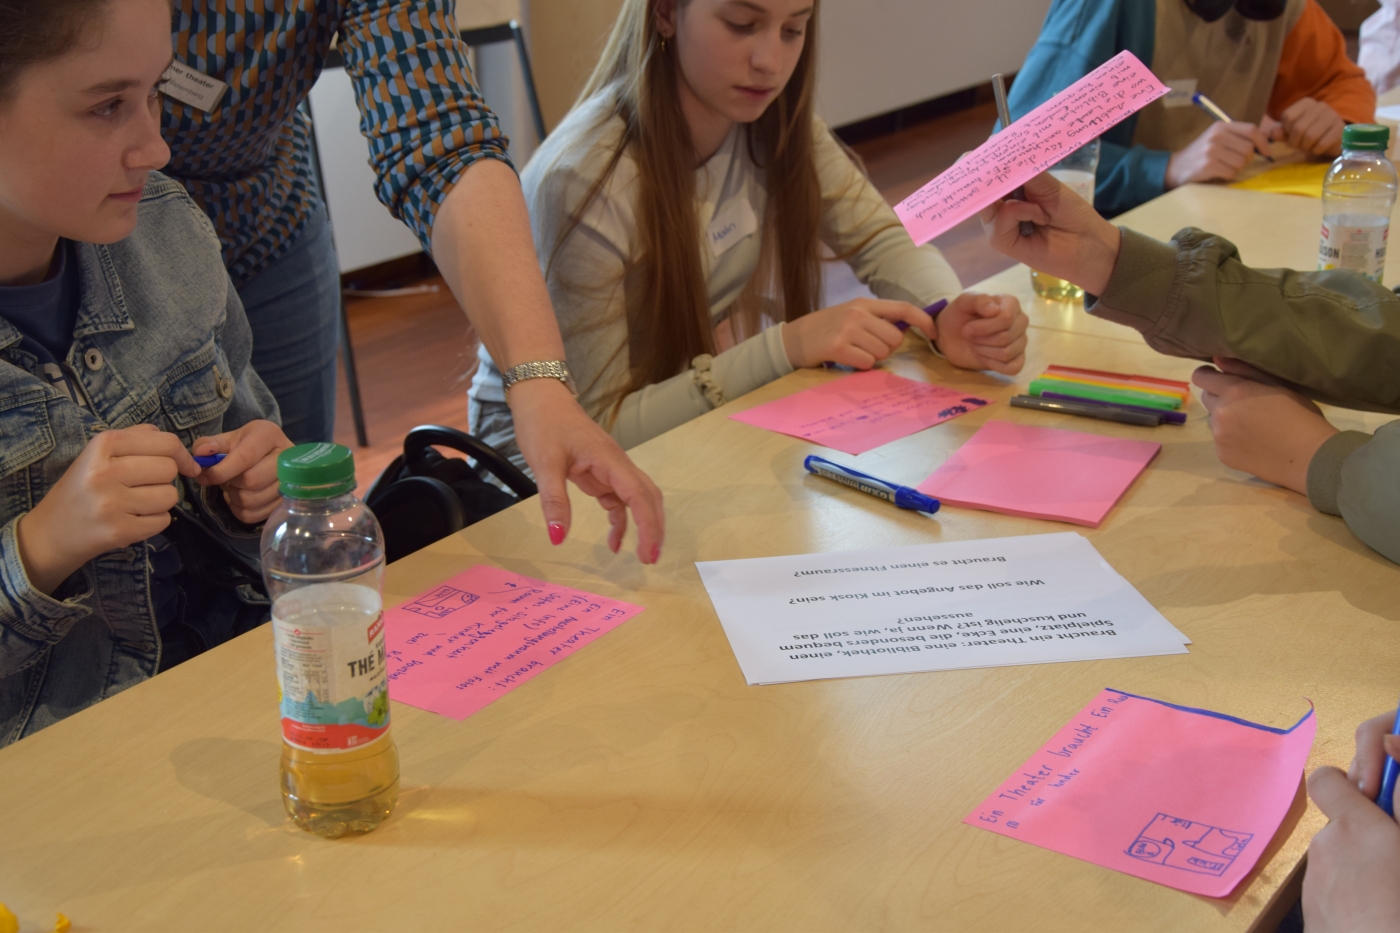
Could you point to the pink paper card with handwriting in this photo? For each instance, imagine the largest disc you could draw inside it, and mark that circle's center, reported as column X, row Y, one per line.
column 1106, row 96
column 862, row 411
column 1184, row 797
column 485, row 632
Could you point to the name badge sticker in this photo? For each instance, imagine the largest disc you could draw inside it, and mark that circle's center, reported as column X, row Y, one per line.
column 1179, row 93
column 731, row 225
column 181, row 82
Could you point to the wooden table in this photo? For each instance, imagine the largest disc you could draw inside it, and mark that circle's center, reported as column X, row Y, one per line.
column 642, row 785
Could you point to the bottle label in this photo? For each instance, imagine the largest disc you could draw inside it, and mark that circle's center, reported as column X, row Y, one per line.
column 1358, row 249
column 329, row 639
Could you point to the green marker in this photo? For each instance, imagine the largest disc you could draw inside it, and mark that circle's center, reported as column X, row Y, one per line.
column 1098, row 393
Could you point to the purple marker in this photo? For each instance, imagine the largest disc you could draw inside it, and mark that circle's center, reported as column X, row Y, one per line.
column 1169, row 417
column 932, row 311
column 210, row 460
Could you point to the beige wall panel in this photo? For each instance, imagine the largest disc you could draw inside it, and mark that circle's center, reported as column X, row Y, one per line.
column 566, row 37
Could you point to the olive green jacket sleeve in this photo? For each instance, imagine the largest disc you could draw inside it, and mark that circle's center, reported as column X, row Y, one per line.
column 1333, row 335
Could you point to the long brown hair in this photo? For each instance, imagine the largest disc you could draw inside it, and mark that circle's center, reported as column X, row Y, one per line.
column 669, row 320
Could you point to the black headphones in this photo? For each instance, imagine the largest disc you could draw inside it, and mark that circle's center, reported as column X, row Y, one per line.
column 1212, row 10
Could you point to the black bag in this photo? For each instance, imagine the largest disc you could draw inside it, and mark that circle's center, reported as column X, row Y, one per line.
column 423, row 496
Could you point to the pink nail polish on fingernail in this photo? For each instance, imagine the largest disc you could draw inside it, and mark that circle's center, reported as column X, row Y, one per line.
column 556, row 533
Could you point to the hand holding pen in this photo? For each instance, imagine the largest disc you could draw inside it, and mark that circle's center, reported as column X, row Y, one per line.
column 1004, row 115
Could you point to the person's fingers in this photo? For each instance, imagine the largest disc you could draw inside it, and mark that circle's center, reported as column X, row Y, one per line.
column 246, row 449
column 137, row 471
column 554, row 498
column 1366, row 767
column 617, row 520
column 998, row 357
column 1233, row 367
column 644, row 500
column 1338, row 798
column 148, row 441
column 253, row 499
column 1331, row 139
column 1213, row 380
column 149, row 500
column 1237, row 138
column 894, row 311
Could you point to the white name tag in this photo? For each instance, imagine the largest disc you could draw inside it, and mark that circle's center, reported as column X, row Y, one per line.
column 1179, row 92
column 731, row 225
column 190, row 87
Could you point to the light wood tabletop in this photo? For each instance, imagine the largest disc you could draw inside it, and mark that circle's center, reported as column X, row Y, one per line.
column 642, row 785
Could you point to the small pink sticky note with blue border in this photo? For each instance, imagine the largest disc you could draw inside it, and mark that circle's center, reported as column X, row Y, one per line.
column 1185, row 797
column 861, row 411
column 485, row 632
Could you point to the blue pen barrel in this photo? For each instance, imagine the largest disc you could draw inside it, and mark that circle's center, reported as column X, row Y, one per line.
column 902, row 496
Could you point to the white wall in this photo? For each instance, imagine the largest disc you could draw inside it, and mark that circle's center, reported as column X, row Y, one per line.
column 880, row 55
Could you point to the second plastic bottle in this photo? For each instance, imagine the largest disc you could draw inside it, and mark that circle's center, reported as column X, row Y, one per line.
column 1358, row 195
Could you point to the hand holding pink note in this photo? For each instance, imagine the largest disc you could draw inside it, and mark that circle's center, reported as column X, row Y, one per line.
column 485, row 632
column 1184, row 797
column 1101, row 99
column 860, row 412
column 1019, row 469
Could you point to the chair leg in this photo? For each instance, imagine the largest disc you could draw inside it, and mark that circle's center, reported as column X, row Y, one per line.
column 519, row 35
column 352, row 378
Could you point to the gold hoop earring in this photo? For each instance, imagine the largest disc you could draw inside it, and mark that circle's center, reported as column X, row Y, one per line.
column 664, row 47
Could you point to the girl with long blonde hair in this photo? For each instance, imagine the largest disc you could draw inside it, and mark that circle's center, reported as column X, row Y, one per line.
column 679, row 212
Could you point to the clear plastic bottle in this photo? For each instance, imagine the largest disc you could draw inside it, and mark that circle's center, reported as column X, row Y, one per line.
column 1077, row 172
column 323, row 562
column 1357, row 197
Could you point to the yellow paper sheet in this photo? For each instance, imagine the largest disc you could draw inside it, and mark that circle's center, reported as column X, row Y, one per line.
column 1303, row 178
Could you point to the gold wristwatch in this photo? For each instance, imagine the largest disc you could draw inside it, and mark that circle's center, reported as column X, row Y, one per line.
column 547, row 369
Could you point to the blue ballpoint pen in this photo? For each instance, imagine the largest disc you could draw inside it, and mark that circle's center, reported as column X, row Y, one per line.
column 902, row 496
column 1386, row 799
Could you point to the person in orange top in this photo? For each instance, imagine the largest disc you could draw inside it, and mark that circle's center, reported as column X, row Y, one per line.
column 1277, row 67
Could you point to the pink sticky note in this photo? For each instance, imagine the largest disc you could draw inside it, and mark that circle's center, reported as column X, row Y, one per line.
column 485, row 632
column 861, row 411
column 1184, row 797
column 1104, row 97
column 1018, row 469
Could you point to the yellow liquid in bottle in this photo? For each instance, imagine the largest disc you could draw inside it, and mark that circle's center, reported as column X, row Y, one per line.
column 1053, row 289
column 334, row 794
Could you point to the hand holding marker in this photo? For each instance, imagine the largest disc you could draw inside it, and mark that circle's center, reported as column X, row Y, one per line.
column 1004, row 115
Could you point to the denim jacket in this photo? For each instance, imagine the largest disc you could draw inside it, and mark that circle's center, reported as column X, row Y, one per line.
column 161, row 339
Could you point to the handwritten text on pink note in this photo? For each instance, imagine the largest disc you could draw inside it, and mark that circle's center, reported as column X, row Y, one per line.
column 485, row 632
column 1104, row 97
column 1184, row 797
column 861, row 411
column 1035, row 472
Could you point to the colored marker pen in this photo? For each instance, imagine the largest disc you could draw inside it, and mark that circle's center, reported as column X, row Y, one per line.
column 902, row 496
column 210, row 460
column 1386, row 798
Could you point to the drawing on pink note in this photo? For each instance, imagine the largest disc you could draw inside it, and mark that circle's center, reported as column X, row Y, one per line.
column 1106, row 96
column 861, row 411
column 1183, row 797
column 485, row 632
column 1034, row 472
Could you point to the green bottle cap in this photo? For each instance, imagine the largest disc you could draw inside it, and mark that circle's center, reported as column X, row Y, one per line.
column 316, row 471
column 1366, row 136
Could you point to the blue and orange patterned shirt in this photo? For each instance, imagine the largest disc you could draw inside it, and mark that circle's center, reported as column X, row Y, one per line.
column 247, row 162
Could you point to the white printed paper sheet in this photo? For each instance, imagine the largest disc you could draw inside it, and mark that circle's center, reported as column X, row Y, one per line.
column 1033, row 599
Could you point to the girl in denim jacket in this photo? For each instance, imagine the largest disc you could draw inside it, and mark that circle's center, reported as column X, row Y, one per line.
column 122, row 348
